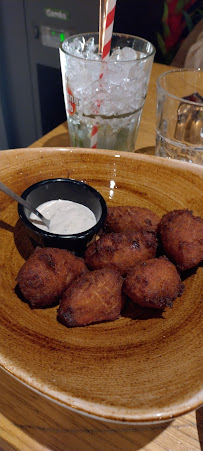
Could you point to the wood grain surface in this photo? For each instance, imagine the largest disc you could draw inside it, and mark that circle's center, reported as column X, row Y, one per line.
column 29, row 421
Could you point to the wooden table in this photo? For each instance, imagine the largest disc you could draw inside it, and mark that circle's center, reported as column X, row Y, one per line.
column 29, row 421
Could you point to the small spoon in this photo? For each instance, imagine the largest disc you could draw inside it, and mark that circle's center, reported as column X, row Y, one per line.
column 25, row 203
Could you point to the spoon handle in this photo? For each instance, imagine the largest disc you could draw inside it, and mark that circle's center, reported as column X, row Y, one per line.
column 23, row 202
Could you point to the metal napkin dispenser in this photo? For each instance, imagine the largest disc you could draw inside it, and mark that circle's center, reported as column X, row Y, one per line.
column 189, row 127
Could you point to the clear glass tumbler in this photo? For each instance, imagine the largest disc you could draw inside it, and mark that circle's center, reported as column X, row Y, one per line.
column 179, row 117
column 105, row 95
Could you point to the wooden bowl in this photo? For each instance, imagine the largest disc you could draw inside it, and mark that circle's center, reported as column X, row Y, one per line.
column 144, row 367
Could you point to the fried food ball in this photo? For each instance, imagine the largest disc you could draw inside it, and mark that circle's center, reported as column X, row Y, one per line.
column 93, row 297
column 46, row 274
column 181, row 235
column 130, row 219
column 154, row 283
column 121, row 250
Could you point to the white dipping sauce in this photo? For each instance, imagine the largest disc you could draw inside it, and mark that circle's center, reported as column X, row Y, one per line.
column 66, row 217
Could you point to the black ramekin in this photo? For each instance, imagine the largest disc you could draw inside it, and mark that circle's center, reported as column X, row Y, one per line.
column 66, row 189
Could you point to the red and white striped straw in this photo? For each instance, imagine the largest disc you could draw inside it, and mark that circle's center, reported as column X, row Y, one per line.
column 106, row 47
column 108, row 30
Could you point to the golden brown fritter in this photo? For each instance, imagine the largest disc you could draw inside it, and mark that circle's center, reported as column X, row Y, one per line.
column 46, row 274
column 93, row 297
column 121, row 250
column 130, row 219
column 154, row 283
column 181, row 235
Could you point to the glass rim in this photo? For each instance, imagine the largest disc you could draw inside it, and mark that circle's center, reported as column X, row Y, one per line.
column 180, row 99
column 109, row 61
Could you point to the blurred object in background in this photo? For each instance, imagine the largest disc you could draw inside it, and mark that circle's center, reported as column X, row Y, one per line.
column 179, row 18
column 31, row 94
column 166, row 23
column 141, row 18
column 194, row 56
column 190, row 53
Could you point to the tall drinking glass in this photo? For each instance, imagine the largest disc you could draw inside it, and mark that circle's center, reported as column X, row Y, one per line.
column 108, row 95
